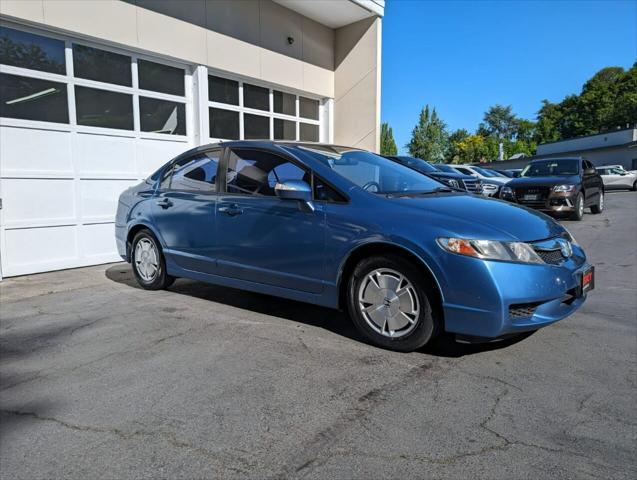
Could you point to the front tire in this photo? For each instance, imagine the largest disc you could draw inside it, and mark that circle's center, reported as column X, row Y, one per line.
column 578, row 214
column 147, row 260
column 390, row 303
column 599, row 208
column 634, row 189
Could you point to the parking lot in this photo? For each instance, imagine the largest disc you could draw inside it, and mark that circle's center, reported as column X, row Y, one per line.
column 101, row 379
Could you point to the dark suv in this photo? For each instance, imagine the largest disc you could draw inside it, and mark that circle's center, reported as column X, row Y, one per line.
column 453, row 179
column 561, row 186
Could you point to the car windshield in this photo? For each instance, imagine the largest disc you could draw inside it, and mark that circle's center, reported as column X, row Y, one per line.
column 372, row 172
column 485, row 172
column 445, row 168
column 416, row 163
column 551, row 167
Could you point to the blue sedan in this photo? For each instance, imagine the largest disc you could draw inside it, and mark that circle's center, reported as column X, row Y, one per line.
column 345, row 228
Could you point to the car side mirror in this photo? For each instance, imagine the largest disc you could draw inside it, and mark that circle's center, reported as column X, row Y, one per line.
column 590, row 171
column 295, row 190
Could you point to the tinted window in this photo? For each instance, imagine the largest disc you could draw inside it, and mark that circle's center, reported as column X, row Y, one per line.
column 284, row 103
column 466, row 171
column 284, row 129
column 160, row 78
column 416, row 164
column 255, row 172
column 256, row 97
column 26, row 50
column 102, row 66
column 309, row 108
column 286, row 171
column 101, row 108
column 33, row 99
column 308, row 132
column 224, row 124
column 324, row 192
column 223, row 90
column 162, row 116
column 197, row 173
column 551, row 167
column 256, row 126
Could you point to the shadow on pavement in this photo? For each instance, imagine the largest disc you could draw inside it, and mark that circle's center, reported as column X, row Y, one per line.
column 333, row 320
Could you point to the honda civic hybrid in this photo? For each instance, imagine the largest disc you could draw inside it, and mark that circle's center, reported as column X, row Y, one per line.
column 341, row 227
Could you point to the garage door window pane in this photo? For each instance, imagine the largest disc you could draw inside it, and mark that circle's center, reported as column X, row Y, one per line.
column 223, row 90
column 224, row 124
column 284, row 129
column 160, row 78
column 101, row 108
column 26, row 50
column 284, row 103
column 162, row 116
column 309, row 133
column 308, row 108
column 256, row 97
column 102, row 66
column 33, row 99
column 256, row 126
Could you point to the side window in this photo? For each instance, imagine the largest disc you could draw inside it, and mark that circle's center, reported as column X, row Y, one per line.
column 196, row 174
column 255, row 172
column 465, row 171
column 324, row 192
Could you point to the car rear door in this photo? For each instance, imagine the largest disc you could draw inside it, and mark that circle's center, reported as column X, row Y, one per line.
column 184, row 211
column 260, row 237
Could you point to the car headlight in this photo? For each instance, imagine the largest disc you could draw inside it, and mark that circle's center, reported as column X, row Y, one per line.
column 506, row 191
column 570, row 237
column 563, row 188
column 491, row 250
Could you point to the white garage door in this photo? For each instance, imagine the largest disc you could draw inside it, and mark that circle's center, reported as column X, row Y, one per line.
column 79, row 123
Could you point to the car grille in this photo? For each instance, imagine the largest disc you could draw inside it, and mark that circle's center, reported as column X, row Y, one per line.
column 553, row 257
column 522, row 310
column 542, row 192
column 471, row 185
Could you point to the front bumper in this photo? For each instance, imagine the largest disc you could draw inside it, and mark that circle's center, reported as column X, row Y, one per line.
column 492, row 299
column 554, row 202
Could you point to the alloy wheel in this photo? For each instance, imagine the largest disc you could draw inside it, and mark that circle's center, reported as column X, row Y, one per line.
column 388, row 302
column 146, row 260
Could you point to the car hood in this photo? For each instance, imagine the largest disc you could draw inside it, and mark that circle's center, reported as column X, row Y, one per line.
column 547, row 181
column 472, row 216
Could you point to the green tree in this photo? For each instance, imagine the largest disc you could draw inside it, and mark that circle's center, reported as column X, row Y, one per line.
column 625, row 104
column 477, row 149
column 454, row 154
column 499, row 122
column 387, row 143
column 429, row 137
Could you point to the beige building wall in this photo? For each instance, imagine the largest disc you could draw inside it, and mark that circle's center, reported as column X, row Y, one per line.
column 242, row 37
column 357, row 84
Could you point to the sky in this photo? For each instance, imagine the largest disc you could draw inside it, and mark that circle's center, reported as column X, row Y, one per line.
column 464, row 56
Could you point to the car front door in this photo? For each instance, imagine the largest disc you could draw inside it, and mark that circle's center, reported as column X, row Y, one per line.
column 262, row 238
column 184, row 211
column 591, row 182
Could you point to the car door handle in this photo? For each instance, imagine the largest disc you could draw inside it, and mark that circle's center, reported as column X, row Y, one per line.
column 231, row 210
column 165, row 203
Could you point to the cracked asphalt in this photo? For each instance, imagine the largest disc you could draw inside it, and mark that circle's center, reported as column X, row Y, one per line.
column 100, row 379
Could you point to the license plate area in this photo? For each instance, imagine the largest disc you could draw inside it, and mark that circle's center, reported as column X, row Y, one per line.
column 587, row 280
column 530, row 197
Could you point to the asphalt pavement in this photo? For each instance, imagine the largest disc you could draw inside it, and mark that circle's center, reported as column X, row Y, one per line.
column 100, row 379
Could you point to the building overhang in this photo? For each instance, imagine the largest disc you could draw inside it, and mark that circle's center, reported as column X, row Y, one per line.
column 336, row 13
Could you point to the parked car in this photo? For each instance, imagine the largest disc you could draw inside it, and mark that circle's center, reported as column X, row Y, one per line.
column 616, row 178
column 491, row 181
column 346, row 228
column 451, row 179
column 559, row 186
column 509, row 173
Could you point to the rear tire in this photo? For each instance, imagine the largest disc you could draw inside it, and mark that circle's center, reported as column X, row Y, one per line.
column 599, row 208
column 147, row 260
column 634, row 189
column 578, row 214
column 390, row 303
